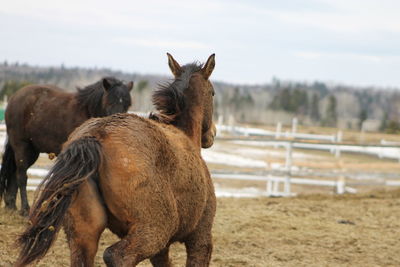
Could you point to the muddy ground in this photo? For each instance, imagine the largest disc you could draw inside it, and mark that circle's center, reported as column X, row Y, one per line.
column 312, row 230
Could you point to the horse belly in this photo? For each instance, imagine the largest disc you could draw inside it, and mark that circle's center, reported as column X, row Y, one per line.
column 41, row 117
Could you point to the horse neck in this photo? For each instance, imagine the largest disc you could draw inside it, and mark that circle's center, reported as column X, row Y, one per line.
column 80, row 111
column 87, row 109
column 190, row 122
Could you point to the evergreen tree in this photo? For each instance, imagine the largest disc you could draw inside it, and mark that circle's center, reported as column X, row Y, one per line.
column 384, row 122
column 285, row 100
column 10, row 87
column 362, row 117
column 315, row 115
column 141, row 85
column 393, row 127
column 330, row 114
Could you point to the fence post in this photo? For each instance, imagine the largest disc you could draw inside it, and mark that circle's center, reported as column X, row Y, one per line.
column 294, row 126
column 278, row 130
column 287, row 185
column 288, row 166
column 340, row 186
column 269, row 187
column 337, row 152
column 339, row 137
column 288, row 163
column 275, row 189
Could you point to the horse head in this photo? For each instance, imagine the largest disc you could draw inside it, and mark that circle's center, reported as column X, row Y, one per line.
column 199, row 94
column 116, row 97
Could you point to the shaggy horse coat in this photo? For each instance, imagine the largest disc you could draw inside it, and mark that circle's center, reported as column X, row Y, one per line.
column 144, row 179
column 39, row 118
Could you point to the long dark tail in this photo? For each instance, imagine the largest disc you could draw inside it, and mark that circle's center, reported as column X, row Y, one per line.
column 78, row 162
column 8, row 168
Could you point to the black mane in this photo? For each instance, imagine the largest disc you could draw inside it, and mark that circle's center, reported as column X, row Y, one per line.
column 90, row 97
column 169, row 99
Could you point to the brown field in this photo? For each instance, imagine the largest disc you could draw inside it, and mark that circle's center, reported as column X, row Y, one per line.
column 312, row 230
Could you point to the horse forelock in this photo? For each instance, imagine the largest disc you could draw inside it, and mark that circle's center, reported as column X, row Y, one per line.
column 169, row 98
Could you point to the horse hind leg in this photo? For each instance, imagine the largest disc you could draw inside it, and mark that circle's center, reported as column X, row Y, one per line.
column 199, row 249
column 199, row 243
column 25, row 156
column 10, row 195
column 143, row 241
column 161, row 259
column 85, row 222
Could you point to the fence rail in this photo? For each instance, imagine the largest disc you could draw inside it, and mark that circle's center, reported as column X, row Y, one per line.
column 273, row 183
column 330, row 143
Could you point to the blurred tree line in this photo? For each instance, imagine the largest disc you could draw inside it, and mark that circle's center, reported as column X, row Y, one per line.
column 315, row 103
column 10, row 87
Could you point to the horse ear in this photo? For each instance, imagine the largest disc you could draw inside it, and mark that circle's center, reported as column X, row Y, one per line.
column 130, row 86
column 106, row 84
column 174, row 66
column 208, row 67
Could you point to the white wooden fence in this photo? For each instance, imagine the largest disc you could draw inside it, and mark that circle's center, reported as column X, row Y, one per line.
column 273, row 183
column 277, row 134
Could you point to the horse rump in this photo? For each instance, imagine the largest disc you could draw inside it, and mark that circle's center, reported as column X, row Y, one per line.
column 78, row 162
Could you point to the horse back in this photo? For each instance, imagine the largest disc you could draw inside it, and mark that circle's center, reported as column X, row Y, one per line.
column 43, row 115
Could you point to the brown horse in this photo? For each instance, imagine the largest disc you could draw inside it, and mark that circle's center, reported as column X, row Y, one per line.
column 144, row 179
column 39, row 118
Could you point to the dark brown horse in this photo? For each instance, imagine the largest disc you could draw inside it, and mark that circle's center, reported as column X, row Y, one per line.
column 39, row 118
column 144, row 179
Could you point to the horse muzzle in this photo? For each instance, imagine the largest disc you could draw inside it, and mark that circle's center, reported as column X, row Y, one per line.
column 207, row 140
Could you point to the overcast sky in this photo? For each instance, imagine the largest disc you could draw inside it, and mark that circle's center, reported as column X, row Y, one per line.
column 355, row 42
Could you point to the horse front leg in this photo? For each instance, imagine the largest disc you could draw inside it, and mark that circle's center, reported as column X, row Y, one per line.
column 25, row 156
column 22, row 181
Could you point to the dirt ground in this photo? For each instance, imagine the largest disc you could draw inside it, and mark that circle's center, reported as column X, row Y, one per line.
column 312, row 230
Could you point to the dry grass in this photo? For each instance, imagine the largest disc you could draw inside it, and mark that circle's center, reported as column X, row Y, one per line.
column 312, row 230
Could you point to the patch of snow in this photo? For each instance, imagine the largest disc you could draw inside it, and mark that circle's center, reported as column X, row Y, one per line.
column 383, row 152
column 250, row 152
column 38, row 172
column 246, row 131
column 247, row 192
column 274, row 153
column 231, row 160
